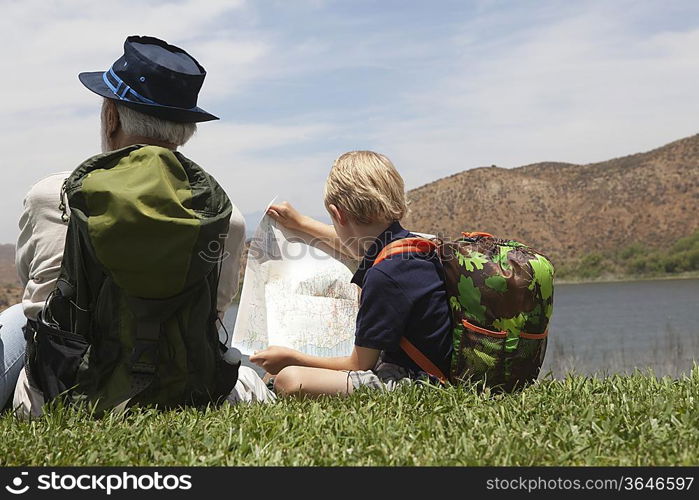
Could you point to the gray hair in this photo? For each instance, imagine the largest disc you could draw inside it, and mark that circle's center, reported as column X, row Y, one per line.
column 136, row 123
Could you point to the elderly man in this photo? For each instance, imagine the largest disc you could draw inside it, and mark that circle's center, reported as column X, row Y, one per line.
column 150, row 99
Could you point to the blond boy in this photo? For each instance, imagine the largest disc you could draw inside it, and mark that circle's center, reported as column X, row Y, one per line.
column 401, row 296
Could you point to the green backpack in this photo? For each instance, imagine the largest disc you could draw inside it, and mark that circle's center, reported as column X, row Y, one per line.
column 500, row 294
column 132, row 319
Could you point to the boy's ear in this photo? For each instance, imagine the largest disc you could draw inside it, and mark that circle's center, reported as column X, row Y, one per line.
column 337, row 215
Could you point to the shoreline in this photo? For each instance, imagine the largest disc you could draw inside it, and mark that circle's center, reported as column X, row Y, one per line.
column 623, row 279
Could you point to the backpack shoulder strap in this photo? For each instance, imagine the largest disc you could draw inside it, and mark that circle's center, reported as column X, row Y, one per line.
column 421, row 246
column 422, row 361
column 406, row 245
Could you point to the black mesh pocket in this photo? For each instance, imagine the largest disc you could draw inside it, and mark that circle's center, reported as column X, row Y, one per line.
column 53, row 357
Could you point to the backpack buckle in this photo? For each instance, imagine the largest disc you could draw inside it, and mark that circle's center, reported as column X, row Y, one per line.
column 142, row 351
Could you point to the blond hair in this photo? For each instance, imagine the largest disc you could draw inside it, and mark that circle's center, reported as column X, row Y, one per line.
column 367, row 186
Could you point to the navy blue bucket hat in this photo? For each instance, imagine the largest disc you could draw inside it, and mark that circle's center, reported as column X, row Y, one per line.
column 155, row 78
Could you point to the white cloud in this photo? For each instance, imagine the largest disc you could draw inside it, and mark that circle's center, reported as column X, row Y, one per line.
column 239, row 156
column 230, row 65
column 221, row 139
column 581, row 89
column 68, row 37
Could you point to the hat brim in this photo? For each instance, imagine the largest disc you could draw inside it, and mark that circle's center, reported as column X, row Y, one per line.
column 93, row 81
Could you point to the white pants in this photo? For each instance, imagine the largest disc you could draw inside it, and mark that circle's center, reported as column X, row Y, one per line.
column 248, row 389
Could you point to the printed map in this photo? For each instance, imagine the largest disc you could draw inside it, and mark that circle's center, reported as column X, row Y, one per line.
column 295, row 295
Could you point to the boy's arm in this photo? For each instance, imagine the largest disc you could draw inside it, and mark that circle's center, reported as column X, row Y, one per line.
column 274, row 358
column 290, row 218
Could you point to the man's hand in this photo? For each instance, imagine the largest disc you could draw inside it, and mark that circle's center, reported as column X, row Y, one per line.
column 288, row 216
column 274, row 358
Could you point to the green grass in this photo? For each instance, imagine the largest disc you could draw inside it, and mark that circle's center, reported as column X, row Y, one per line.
column 618, row 420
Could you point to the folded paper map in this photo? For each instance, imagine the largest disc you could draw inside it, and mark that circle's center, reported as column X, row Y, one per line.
column 295, row 294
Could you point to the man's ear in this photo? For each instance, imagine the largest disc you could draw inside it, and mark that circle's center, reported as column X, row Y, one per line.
column 337, row 215
column 111, row 118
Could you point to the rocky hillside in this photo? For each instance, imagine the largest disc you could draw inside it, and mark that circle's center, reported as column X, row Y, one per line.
column 568, row 210
column 10, row 291
column 8, row 273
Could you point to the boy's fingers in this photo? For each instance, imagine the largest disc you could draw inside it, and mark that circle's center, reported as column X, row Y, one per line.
column 281, row 209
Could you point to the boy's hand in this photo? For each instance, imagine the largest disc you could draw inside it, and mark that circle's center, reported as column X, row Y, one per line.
column 287, row 216
column 274, row 358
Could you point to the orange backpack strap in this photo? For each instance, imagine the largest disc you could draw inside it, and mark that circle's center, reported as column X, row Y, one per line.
column 422, row 361
column 406, row 245
column 502, row 334
column 476, row 234
column 413, row 245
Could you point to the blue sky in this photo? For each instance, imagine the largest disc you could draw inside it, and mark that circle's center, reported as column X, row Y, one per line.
column 438, row 86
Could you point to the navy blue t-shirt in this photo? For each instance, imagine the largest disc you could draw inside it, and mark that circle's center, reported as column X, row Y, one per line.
column 403, row 296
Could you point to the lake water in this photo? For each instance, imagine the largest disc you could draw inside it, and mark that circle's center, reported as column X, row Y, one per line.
column 618, row 327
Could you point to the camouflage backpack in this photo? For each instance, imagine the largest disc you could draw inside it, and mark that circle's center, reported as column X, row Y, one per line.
column 132, row 319
column 500, row 294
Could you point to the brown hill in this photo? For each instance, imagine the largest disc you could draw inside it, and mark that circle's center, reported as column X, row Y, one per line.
column 10, row 291
column 568, row 210
column 8, row 272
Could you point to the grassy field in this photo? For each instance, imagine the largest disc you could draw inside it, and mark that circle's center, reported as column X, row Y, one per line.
column 619, row 420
